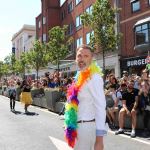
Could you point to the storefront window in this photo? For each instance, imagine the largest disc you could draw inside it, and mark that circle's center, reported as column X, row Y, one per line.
column 142, row 34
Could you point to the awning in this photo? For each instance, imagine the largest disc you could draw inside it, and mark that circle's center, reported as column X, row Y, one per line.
column 142, row 21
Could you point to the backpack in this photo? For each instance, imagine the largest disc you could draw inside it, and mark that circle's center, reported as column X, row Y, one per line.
column 109, row 101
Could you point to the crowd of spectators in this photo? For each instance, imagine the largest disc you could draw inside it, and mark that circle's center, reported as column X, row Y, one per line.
column 50, row 81
column 128, row 96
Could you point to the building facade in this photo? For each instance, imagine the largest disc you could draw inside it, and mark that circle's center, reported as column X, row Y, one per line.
column 52, row 14
column 135, row 27
column 23, row 40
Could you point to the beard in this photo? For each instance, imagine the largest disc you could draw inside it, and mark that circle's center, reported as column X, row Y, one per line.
column 82, row 65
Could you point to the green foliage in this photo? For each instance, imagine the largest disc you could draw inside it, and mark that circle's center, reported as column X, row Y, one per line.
column 5, row 69
column 37, row 56
column 9, row 64
column 21, row 64
column 1, row 70
column 57, row 46
column 102, row 22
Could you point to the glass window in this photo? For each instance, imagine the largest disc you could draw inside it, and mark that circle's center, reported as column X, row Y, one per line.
column 78, row 21
column 44, row 20
column 39, row 24
column 88, row 36
column 70, row 29
column 144, row 26
column 142, row 33
column 70, row 7
column 138, row 28
column 135, row 5
column 78, row 1
column 89, row 9
column 149, row 2
column 44, row 37
column 79, row 41
column 71, row 48
column 63, row 15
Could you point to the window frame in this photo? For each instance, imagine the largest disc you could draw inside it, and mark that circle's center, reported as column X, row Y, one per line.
column 132, row 6
column 70, row 4
column 44, row 20
column 77, row 2
column 140, row 31
column 89, row 33
column 89, row 9
column 70, row 28
column 71, row 48
column 80, row 41
column 44, row 36
column 63, row 14
column 80, row 23
column 39, row 24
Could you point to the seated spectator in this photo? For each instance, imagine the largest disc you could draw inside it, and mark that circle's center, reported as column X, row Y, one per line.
column 129, row 108
column 117, row 98
column 144, row 105
column 111, row 109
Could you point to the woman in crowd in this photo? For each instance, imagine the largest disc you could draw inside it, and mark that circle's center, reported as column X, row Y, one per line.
column 26, row 94
column 12, row 95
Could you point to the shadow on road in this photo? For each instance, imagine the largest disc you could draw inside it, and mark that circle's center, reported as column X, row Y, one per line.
column 31, row 114
column 28, row 113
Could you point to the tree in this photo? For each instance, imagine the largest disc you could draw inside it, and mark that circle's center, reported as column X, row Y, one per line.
column 21, row 64
column 9, row 61
column 102, row 22
column 5, row 68
column 57, row 45
column 1, row 69
column 37, row 56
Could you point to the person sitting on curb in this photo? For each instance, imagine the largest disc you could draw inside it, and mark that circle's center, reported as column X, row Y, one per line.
column 144, row 105
column 130, row 103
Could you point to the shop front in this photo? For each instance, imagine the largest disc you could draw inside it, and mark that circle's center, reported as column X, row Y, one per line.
column 134, row 65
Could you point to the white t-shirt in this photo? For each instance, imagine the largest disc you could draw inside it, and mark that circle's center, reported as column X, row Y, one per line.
column 119, row 97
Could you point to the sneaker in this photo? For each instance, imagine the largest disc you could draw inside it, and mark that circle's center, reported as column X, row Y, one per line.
column 133, row 134
column 13, row 110
column 26, row 110
column 119, row 132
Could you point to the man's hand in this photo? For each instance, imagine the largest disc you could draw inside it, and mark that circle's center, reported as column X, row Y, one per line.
column 99, row 143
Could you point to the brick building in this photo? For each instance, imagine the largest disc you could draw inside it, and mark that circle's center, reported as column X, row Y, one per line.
column 52, row 14
column 135, row 26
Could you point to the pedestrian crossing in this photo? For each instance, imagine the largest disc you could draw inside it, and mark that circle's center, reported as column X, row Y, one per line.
column 60, row 145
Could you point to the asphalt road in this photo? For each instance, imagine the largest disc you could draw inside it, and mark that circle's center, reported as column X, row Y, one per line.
column 43, row 130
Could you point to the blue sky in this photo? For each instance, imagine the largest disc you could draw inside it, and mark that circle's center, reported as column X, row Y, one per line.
column 13, row 15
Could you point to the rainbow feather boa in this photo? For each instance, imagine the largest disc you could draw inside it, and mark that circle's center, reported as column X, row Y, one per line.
column 71, row 106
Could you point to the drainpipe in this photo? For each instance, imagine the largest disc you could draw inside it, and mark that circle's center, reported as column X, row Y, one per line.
column 117, row 28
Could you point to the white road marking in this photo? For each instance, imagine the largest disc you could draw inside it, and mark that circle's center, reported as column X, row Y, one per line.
column 60, row 145
column 134, row 139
